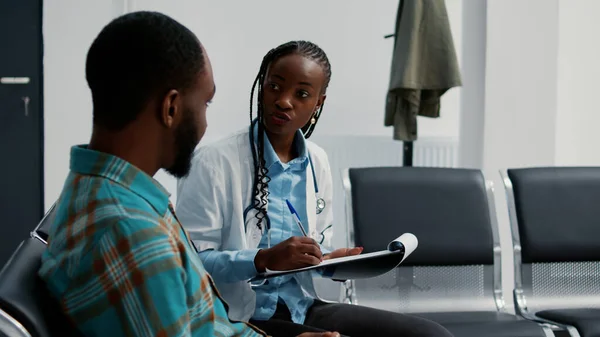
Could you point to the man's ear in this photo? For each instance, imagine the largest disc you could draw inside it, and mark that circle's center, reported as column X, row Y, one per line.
column 170, row 112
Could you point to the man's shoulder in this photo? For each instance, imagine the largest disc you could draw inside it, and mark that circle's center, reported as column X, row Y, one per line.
column 71, row 250
column 89, row 207
column 89, row 199
column 72, row 242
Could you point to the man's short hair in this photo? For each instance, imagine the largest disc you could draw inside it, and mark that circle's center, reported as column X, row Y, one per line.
column 136, row 57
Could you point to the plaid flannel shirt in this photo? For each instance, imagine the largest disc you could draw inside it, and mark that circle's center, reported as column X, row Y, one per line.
column 119, row 261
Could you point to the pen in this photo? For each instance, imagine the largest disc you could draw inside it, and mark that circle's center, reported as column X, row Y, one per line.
column 296, row 217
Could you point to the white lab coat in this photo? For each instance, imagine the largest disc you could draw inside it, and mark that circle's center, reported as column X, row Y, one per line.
column 212, row 199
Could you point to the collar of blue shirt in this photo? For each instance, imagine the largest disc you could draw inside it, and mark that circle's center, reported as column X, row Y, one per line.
column 272, row 158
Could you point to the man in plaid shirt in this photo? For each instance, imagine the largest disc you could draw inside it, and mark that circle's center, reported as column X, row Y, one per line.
column 118, row 260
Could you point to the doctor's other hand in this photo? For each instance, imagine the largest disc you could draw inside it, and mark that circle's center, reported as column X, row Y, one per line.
column 295, row 252
column 342, row 252
column 319, row 334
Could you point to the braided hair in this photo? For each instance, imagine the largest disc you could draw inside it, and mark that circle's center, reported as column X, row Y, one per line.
column 261, row 179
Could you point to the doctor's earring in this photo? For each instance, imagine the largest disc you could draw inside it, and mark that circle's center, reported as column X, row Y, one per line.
column 313, row 120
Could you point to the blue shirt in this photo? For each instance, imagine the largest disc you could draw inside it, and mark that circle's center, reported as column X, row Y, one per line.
column 119, row 262
column 288, row 181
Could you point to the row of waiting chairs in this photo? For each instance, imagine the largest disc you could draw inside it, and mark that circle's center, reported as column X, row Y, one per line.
column 453, row 278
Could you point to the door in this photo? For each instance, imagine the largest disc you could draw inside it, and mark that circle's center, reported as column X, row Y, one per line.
column 21, row 122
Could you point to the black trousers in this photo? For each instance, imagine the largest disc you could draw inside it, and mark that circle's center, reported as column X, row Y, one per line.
column 350, row 320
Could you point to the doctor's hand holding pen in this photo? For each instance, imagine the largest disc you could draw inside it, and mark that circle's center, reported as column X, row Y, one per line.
column 297, row 251
column 342, row 252
column 293, row 253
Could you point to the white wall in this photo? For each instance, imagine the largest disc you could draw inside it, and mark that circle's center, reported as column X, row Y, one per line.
column 472, row 100
column 351, row 32
column 577, row 120
column 539, row 86
column 69, row 27
column 521, row 75
column 541, row 106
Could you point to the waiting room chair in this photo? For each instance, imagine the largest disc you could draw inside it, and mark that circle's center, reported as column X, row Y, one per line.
column 454, row 276
column 26, row 308
column 555, row 222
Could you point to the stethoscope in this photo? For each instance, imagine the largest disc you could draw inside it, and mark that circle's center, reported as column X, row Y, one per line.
column 320, row 202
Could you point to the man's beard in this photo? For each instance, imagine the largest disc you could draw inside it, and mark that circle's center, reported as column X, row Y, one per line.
column 186, row 139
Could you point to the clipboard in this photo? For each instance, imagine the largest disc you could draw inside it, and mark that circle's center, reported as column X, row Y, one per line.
column 358, row 266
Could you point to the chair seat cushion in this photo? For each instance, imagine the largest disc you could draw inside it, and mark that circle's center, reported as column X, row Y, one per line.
column 587, row 321
column 485, row 324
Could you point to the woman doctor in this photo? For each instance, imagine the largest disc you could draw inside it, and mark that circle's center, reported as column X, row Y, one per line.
column 238, row 199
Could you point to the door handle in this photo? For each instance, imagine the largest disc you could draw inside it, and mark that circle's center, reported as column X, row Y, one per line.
column 26, row 100
column 14, row 80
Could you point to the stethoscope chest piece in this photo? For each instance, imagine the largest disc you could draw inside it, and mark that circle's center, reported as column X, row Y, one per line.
column 320, row 205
